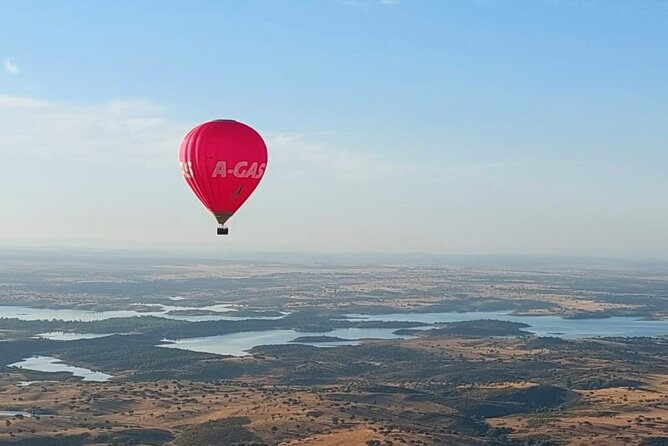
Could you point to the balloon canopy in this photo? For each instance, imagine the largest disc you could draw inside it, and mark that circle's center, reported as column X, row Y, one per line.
column 223, row 162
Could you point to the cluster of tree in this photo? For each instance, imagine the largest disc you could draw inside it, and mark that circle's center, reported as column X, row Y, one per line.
column 221, row 432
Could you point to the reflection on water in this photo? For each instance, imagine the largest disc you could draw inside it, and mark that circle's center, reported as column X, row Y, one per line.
column 238, row 344
column 234, row 344
column 219, row 312
column 65, row 336
column 13, row 413
column 65, row 314
column 429, row 318
column 544, row 325
column 51, row 364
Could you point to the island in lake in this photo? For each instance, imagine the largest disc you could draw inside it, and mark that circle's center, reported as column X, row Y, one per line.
column 318, row 339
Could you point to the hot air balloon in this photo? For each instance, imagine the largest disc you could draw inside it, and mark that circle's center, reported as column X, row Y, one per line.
column 223, row 162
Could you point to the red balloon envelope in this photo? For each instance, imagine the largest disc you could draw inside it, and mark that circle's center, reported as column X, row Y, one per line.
column 223, row 161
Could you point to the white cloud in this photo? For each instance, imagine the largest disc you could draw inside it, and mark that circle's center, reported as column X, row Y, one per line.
column 10, row 67
column 115, row 132
column 142, row 133
column 13, row 102
column 103, row 174
column 115, row 164
column 298, row 156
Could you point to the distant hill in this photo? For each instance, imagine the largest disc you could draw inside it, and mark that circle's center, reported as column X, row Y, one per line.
column 223, row 432
column 483, row 327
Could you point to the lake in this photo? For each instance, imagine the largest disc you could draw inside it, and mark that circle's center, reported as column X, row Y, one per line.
column 542, row 325
column 238, row 344
column 51, row 364
column 220, row 312
column 13, row 413
column 65, row 336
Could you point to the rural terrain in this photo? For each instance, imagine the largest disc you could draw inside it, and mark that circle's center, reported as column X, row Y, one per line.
column 473, row 382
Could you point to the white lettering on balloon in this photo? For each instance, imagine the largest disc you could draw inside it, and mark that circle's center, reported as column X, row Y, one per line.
column 241, row 170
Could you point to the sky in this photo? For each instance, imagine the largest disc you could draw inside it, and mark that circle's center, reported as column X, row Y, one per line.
column 514, row 127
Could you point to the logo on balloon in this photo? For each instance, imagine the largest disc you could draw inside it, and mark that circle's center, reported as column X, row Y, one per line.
column 241, row 170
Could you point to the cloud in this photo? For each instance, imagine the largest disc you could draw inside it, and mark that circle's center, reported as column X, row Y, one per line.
column 142, row 133
column 298, row 156
column 116, row 132
column 17, row 102
column 10, row 67
column 103, row 174
column 115, row 163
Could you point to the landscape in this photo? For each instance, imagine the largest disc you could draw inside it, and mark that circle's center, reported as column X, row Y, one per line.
column 105, row 347
column 334, row 223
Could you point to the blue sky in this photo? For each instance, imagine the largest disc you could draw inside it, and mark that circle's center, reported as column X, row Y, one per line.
column 456, row 127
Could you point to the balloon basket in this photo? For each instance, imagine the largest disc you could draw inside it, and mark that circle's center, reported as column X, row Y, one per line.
column 223, row 230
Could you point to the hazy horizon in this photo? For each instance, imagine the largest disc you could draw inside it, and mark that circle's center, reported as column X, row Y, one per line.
column 219, row 257
column 398, row 127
